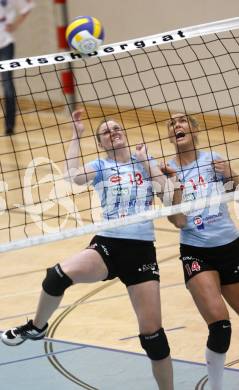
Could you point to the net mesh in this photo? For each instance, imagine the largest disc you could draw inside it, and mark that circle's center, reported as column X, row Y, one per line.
column 141, row 88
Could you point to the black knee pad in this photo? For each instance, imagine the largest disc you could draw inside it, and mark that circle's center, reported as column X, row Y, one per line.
column 56, row 281
column 155, row 345
column 219, row 336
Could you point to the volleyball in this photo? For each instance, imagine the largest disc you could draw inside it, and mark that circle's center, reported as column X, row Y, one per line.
column 85, row 34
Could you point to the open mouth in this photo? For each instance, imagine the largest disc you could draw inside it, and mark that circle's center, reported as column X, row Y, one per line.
column 115, row 138
column 180, row 134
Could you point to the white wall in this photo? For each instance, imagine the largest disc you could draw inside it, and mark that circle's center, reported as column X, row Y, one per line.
column 37, row 35
column 122, row 19
column 136, row 18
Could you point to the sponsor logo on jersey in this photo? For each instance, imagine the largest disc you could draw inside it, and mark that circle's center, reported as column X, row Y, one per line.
column 198, row 222
column 115, row 179
column 120, row 191
column 149, row 267
column 105, row 249
column 195, row 266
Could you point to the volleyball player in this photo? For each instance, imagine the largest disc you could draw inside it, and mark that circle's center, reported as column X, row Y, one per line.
column 209, row 245
column 12, row 14
column 123, row 183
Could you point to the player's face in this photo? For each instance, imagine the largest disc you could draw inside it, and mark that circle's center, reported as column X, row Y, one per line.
column 181, row 131
column 111, row 135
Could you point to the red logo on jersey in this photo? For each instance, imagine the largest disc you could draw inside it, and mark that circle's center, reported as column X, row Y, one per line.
column 198, row 221
column 195, row 266
column 115, row 179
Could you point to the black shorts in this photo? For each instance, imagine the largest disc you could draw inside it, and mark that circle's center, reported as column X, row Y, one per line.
column 223, row 259
column 133, row 261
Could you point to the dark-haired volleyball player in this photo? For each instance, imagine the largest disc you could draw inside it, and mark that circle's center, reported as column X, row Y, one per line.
column 124, row 185
column 209, row 246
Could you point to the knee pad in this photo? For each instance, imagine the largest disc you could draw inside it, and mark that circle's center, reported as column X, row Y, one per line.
column 56, row 281
column 219, row 336
column 155, row 345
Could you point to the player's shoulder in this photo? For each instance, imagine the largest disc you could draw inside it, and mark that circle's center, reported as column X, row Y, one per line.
column 98, row 163
column 208, row 155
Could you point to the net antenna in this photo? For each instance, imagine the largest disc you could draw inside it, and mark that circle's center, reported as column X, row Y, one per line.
column 140, row 82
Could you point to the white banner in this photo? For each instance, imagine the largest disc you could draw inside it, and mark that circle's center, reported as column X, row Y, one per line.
column 122, row 47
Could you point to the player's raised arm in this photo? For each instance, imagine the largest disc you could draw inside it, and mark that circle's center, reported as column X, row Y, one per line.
column 72, row 171
column 164, row 183
column 175, row 195
column 151, row 166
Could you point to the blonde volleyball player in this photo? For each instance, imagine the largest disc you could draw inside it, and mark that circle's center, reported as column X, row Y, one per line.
column 123, row 183
column 209, row 242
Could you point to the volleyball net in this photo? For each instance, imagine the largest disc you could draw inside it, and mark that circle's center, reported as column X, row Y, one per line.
column 140, row 83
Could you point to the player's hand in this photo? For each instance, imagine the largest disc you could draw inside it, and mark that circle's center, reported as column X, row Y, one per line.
column 222, row 167
column 77, row 120
column 141, row 152
column 167, row 170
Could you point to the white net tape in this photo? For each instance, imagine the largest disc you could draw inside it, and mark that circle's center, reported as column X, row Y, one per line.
column 186, row 208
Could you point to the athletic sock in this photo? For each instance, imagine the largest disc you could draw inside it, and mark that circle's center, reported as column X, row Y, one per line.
column 215, row 368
